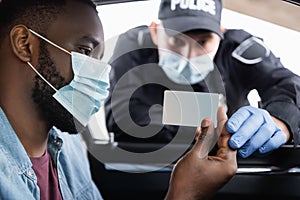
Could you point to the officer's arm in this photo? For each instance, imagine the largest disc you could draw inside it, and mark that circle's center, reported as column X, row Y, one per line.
column 268, row 128
column 278, row 87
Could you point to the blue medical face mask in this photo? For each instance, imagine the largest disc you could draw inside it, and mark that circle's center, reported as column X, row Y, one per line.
column 86, row 93
column 186, row 71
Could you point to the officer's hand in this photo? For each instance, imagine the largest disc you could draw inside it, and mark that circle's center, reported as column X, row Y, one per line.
column 254, row 129
column 197, row 175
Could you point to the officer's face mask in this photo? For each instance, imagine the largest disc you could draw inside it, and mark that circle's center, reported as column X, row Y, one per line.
column 186, row 71
column 86, row 93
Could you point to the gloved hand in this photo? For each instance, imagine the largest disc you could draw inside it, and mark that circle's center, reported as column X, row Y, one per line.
column 254, row 129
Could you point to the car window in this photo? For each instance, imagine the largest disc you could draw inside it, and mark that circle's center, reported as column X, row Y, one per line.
column 282, row 40
column 130, row 15
column 277, row 22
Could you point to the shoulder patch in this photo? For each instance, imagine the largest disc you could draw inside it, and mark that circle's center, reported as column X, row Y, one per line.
column 251, row 51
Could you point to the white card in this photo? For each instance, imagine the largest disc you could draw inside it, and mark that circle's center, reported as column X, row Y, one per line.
column 189, row 108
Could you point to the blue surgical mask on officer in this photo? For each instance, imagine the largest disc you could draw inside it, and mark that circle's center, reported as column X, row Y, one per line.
column 186, row 71
column 86, row 93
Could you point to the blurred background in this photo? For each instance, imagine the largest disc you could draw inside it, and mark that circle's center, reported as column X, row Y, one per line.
column 275, row 11
column 276, row 21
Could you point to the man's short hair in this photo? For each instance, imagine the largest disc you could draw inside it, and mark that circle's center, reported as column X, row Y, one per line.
column 36, row 14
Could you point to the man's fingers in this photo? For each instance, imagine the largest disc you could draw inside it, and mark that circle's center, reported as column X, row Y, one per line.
column 224, row 151
column 222, row 119
column 208, row 136
column 206, row 140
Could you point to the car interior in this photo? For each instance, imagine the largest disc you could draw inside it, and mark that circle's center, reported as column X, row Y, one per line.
column 120, row 173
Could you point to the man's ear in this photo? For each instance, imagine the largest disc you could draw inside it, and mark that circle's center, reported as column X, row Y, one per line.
column 153, row 32
column 22, row 41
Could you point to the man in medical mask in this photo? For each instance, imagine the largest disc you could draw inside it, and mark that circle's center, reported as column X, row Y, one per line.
column 187, row 50
column 51, row 82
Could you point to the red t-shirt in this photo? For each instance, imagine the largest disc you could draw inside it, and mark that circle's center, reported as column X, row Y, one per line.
column 46, row 177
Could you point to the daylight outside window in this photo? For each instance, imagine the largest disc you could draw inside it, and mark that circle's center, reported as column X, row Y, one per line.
column 284, row 42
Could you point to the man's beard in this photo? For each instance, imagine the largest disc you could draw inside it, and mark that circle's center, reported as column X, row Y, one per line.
column 42, row 94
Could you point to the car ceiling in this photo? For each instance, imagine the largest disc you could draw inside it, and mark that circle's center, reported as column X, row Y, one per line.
column 281, row 12
column 104, row 2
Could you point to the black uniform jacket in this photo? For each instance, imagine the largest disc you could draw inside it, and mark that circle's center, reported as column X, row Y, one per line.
column 242, row 63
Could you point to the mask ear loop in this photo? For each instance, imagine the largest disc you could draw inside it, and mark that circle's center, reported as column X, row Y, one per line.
column 52, row 43
column 41, row 76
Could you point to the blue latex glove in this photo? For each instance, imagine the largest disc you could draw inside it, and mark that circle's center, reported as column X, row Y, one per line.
column 254, row 129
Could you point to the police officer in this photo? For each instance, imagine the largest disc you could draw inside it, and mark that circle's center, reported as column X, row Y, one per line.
column 188, row 51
